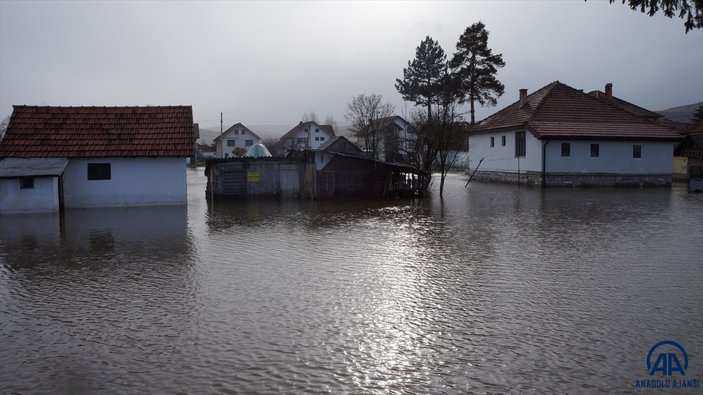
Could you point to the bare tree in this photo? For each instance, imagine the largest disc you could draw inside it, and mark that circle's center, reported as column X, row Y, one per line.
column 440, row 135
column 364, row 112
column 329, row 120
column 309, row 116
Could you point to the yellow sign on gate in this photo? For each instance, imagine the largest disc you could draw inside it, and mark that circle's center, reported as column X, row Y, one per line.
column 253, row 176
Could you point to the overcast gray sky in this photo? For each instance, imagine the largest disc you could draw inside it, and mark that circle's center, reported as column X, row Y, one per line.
column 269, row 62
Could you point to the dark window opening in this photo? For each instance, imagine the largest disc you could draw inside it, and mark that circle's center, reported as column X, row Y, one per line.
column 565, row 149
column 520, row 144
column 595, row 150
column 636, row 151
column 27, row 183
column 502, row 141
column 99, row 171
column 493, row 141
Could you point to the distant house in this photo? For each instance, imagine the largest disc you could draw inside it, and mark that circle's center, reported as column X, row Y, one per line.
column 394, row 137
column 304, row 136
column 237, row 136
column 75, row 157
column 560, row 136
column 206, row 151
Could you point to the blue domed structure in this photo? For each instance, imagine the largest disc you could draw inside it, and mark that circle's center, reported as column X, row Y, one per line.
column 258, row 151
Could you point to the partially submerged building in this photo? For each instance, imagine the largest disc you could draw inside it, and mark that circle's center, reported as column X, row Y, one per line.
column 561, row 136
column 336, row 169
column 77, row 157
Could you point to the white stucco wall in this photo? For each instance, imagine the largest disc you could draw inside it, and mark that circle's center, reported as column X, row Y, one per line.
column 134, row 182
column 43, row 198
column 239, row 141
column 502, row 158
column 614, row 157
column 317, row 132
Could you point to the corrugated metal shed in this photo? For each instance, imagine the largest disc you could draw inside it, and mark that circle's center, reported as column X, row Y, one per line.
column 32, row 167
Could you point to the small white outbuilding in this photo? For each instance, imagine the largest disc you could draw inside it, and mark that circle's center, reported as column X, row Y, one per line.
column 75, row 157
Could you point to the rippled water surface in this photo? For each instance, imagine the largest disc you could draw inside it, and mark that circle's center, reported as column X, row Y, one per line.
column 493, row 289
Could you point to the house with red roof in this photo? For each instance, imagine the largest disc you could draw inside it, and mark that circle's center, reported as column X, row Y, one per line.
column 561, row 136
column 76, row 157
column 305, row 136
column 236, row 136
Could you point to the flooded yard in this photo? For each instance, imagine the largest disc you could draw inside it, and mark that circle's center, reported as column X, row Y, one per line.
column 495, row 288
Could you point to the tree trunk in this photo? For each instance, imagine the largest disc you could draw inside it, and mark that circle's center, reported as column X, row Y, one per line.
column 471, row 103
column 441, row 184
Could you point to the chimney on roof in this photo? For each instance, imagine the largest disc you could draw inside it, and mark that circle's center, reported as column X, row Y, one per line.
column 523, row 97
column 609, row 90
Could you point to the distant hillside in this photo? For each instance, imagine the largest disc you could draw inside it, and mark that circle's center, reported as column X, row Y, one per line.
column 681, row 113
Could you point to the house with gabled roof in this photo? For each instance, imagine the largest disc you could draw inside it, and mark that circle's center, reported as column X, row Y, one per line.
column 305, row 136
column 390, row 137
column 77, row 157
column 236, row 136
column 561, row 136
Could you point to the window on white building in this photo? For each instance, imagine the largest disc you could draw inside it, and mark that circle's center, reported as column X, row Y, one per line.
column 27, row 183
column 636, row 151
column 99, row 171
column 520, row 144
column 493, row 141
column 502, row 141
column 231, row 143
column 595, row 150
column 249, row 143
column 565, row 149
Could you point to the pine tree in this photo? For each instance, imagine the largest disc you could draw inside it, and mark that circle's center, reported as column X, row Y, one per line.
column 690, row 10
column 477, row 66
column 422, row 77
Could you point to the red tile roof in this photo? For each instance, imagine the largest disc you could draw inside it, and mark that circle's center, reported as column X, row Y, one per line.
column 560, row 111
column 303, row 125
column 625, row 105
column 85, row 132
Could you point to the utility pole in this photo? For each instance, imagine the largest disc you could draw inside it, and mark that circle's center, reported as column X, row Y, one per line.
column 222, row 143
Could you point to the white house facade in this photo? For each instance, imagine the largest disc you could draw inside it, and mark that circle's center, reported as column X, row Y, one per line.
column 94, row 157
column 307, row 136
column 236, row 136
column 119, row 182
column 560, row 136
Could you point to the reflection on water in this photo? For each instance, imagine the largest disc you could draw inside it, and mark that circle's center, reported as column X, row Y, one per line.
column 492, row 289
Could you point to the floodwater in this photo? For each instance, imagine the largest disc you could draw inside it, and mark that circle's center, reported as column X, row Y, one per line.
column 494, row 289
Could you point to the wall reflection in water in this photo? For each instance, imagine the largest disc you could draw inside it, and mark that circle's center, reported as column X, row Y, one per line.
column 89, row 292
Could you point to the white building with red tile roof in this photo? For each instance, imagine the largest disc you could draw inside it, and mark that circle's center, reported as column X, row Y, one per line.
column 306, row 135
column 562, row 136
column 236, row 136
column 97, row 157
